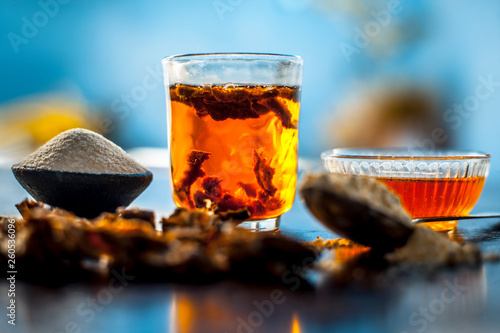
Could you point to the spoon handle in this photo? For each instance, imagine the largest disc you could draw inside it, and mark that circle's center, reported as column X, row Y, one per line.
column 453, row 218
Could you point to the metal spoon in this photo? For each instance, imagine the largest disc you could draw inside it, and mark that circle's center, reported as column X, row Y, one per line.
column 363, row 210
column 453, row 218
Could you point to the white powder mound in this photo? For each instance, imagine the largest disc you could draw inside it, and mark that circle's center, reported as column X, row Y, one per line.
column 81, row 150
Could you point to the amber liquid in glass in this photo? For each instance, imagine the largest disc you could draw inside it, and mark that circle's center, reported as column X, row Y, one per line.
column 234, row 147
column 437, row 197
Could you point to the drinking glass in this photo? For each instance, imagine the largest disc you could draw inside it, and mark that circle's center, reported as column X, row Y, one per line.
column 232, row 123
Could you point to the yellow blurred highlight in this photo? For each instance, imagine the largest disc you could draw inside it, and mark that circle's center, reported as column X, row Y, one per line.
column 191, row 312
column 47, row 126
column 29, row 122
column 295, row 324
column 182, row 314
column 185, row 315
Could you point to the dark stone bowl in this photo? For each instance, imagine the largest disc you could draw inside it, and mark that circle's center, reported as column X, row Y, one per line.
column 85, row 194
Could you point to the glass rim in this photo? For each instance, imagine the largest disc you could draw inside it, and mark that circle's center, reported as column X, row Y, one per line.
column 402, row 154
column 234, row 56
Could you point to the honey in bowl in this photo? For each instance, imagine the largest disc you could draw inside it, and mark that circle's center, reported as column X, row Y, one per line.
column 437, row 197
column 429, row 183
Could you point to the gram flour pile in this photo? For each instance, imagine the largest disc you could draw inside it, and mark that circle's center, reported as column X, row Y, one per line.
column 426, row 247
column 81, row 150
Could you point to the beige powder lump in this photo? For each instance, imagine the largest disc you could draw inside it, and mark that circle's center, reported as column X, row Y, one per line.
column 81, row 150
column 429, row 248
column 425, row 248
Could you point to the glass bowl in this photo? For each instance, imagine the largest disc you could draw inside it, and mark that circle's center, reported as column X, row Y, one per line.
column 429, row 183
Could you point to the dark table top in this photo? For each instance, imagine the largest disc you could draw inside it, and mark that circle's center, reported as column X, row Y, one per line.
column 465, row 299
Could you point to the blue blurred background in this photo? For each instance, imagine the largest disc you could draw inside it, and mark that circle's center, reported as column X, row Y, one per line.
column 376, row 72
